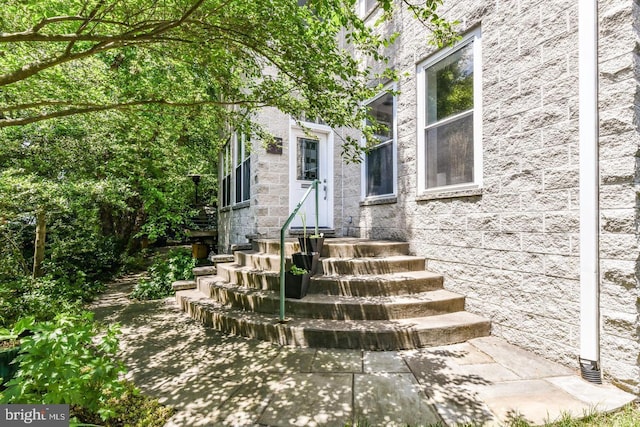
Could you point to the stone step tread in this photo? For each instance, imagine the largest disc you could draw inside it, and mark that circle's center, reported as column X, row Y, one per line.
column 392, row 258
column 428, row 296
column 179, row 285
column 400, row 283
column 374, row 277
column 204, row 270
column 247, row 269
column 382, row 277
column 448, row 320
column 339, row 246
column 353, row 241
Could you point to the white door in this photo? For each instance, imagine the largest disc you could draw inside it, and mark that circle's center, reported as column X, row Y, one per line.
column 311, row 155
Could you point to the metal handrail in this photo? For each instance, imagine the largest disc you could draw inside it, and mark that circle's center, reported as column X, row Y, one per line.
column 314, row 186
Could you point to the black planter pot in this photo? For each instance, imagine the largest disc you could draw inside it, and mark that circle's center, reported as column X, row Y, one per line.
column 306, row 261
column 7, row 368
column 296, row 285
column 311, row 244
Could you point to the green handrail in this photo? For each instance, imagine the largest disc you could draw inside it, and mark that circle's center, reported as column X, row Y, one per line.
column 314, row 186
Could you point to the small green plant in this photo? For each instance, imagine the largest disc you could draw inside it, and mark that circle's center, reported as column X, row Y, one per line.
column 131, row 408
column 297, row 271
column 177, row 266
column 64, row 362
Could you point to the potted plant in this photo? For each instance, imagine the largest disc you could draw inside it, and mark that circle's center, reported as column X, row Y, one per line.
column 296, row 282
column 306, row 261
column 309, row 244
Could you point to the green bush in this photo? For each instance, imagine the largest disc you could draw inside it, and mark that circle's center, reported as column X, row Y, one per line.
column 177, row 266
column 64, row 362
column 79, row 250
column 41, row 298
column 130, row 409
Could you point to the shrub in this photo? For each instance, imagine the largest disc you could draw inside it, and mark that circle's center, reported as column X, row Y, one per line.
column 130, row 409
column 64, row 362
column 41, row 299
column 177, row 266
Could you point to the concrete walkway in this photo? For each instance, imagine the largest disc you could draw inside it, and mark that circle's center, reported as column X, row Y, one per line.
column 219, row 380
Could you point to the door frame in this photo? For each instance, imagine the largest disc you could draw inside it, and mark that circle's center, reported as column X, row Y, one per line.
column 314, row 128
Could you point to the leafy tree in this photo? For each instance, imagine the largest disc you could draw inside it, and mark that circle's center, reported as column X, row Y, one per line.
column 143, row 92
column 102, row 179
column 61, row 58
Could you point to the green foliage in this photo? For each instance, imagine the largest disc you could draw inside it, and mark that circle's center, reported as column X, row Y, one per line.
column 102, row 181
column 129, row 409
column 65, row 362
column 40, row 298
column 297, row 271
column 201, row 57
column 178, row 265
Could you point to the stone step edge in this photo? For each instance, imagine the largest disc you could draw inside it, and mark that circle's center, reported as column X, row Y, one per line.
column 364, row 334
column 439, row 294
column 434, row 281
column 338, row 242
column 404, row 263
column 181, row 285
column 320, row 306
column 207, row 270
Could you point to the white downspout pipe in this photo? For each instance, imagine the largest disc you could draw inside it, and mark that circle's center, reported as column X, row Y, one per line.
column 589, row 192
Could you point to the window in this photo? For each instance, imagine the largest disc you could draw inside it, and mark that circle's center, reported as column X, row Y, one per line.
column 449, row 118
column 380, row 162
column 366, row 6
column 226, row 176
column 243, row 168
column 307, row 164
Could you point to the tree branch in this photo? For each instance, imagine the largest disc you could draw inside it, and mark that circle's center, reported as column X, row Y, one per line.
column 91, row 108
column 103, row 42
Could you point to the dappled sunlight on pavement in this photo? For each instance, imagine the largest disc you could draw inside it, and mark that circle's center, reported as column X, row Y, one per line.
column 213, row 379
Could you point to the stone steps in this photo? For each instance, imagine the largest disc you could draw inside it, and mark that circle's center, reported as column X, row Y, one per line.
column 368, row 294
column 336, row 307
column 364, row 334
column 400, row 283
column 343, row 247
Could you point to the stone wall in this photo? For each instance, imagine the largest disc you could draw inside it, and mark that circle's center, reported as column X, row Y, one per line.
column 514, row 248
column 268, row 205
column 619, row 175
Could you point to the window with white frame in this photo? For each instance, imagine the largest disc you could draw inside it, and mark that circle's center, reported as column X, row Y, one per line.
column 379, row 166
column 242, row 168
column 365, row 7
column 449, row 118
column 225, row 188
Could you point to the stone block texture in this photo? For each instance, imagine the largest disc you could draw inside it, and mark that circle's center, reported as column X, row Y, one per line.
column 513, row 247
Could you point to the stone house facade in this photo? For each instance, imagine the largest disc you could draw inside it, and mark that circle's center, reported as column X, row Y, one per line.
column 480, row 171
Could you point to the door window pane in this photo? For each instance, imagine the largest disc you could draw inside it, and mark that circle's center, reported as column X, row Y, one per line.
column 307, row 167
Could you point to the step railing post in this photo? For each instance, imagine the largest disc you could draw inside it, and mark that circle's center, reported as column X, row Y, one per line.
column 314, row 186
